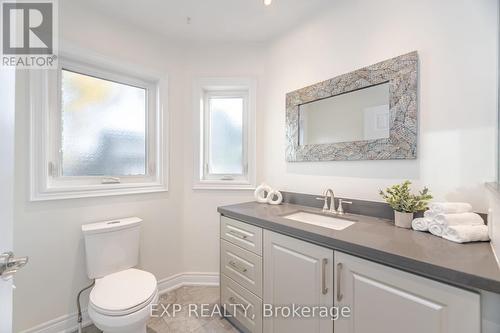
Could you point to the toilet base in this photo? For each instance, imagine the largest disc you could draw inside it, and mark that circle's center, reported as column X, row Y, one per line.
column 132, row 323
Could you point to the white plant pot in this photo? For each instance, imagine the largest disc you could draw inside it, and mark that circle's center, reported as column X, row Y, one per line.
column 403, row 220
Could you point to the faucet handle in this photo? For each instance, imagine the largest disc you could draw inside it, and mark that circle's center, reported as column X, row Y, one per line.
column 325, row 202
column 340, row 209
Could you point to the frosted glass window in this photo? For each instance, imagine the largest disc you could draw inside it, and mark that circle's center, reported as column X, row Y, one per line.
column 103, row 127
column 226, row 135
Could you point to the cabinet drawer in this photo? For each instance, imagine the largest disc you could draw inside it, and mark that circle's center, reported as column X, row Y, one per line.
column 242, row 234
column 242, row 266
column 233, row 294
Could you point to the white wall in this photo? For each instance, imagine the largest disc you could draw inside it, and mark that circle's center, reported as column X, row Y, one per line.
column 49, row 232
column 200, row 218
column 490, row 303
column 181, row 227
column 457, row 45
column 449, row 41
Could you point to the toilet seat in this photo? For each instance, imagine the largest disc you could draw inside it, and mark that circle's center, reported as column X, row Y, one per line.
column 124, row 292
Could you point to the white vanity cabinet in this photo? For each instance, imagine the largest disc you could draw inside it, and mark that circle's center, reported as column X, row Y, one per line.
column 261, row 268
column 388, row 300
column 241, row 274
column 296, row 272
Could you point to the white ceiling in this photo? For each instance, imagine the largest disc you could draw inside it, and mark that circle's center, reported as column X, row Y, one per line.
column 212, row 20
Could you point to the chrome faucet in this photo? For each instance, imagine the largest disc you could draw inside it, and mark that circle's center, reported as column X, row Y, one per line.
column 328, row 193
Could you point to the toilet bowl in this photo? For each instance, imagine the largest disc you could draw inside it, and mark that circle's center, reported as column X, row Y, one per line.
column 121, row 299
column 121, row 302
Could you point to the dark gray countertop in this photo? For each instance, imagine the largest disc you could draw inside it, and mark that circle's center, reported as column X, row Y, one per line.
column 471, row 265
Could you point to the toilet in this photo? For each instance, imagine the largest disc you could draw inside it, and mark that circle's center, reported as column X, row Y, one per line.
column 122, row 296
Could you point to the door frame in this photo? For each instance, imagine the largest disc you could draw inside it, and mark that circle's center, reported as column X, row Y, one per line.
column 7, row 116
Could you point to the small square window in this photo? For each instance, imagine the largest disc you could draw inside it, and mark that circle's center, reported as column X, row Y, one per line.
column 227, row 134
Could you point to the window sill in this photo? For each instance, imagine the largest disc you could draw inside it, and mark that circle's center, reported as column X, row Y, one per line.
column 96, row 191
column 226, row 185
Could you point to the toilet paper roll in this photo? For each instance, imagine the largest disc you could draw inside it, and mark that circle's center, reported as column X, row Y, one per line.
column 262, row 192
column 274, row 197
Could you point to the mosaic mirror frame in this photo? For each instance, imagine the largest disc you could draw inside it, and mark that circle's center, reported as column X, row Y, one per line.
column 402, row 75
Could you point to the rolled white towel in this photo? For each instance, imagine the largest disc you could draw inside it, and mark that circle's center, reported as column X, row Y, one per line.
column 421, row 224
column 459, row 219
column 466, row 233
column 430, row 214
column 450, row 207
column 436, row 228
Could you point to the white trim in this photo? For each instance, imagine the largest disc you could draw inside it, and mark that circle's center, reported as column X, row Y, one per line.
column 207, row 186
column 207, row 175
column 63, row 324
column 68, row 323
column 76, row 53
column 200, row 87
column 493, row 191
column 43, row 187
column 187, row 279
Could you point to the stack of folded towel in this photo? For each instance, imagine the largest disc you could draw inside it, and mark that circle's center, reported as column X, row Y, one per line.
column 453, row 221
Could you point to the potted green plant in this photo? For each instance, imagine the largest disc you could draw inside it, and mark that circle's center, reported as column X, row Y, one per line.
column 404, row 203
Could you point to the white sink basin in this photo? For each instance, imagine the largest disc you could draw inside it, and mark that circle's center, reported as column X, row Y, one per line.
column 330, row 222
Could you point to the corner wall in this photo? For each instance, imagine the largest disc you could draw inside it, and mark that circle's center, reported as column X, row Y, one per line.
column 200, row 218
column 181, row 227
column 457, row 46
column 49, row 232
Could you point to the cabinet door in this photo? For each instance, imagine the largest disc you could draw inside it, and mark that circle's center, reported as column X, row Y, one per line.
column 300, row 273
column 387, row 300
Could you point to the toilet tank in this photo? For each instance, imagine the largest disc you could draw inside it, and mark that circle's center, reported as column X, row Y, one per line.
column 111, row 246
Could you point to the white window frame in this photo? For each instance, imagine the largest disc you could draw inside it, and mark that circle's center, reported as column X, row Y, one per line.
column 47, row 181
column 206, row 135
column 205, row 88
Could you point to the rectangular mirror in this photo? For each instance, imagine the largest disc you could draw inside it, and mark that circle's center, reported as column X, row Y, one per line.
column 354, row 116
column 367, row 114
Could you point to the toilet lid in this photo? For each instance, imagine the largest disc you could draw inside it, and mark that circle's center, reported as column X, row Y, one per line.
column 123, row 292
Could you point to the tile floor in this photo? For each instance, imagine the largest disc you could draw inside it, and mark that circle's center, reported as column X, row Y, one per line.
column 182, row 322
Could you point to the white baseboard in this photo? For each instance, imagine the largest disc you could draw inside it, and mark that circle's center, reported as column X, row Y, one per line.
column 63, row 324
column 188, row 279
column 68, row 323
